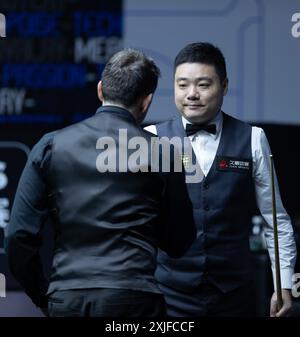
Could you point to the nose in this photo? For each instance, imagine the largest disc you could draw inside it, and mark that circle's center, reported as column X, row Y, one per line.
column 193, row 93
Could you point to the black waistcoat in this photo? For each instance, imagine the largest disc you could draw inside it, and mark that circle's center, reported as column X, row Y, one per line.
column 222, row 212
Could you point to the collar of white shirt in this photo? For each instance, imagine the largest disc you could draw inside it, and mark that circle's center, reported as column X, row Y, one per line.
column 218, row 120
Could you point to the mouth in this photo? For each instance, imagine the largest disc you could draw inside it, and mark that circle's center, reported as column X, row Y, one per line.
column 194, row 106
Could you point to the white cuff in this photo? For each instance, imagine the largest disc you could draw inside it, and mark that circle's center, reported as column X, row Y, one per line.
column 285, row 277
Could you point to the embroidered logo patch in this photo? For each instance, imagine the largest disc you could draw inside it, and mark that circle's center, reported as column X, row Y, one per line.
column 234, row 164
column 186, row 161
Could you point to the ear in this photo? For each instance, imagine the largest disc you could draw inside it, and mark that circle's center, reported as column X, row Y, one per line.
column 146, row 102
column 99, row 91
column 225, row 86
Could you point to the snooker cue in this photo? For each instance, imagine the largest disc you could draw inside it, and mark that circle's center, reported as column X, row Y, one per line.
column 276, row 246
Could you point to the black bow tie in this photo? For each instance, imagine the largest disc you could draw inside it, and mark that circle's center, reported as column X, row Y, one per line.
column 191, row 129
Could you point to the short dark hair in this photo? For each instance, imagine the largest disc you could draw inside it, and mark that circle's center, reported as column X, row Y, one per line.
column 128, row 76
column 203, row 52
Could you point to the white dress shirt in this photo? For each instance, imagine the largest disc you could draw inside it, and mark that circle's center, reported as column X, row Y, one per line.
column 205, row 146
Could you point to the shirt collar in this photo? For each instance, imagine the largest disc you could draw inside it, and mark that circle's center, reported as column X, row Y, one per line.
column 116, row 110
column 218, row 120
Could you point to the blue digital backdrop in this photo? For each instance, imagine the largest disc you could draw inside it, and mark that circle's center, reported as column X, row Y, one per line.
column 50, row 62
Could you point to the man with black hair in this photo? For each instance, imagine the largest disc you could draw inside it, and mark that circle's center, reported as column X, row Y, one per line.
column 108, row 219
column 213, row 277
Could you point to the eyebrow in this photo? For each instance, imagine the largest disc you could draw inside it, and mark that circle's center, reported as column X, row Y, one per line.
column 203, row 78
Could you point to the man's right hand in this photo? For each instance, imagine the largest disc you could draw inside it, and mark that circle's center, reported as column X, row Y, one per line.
column 287, row 304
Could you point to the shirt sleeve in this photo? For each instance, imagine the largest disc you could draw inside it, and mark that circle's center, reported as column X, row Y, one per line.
column 29, row 212
column 261, row 173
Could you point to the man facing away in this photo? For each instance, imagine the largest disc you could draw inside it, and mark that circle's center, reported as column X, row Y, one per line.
column 213, row 277
column 107, row 220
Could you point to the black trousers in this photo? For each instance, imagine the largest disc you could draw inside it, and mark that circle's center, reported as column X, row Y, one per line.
column 106, row 303
column 208, row 301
